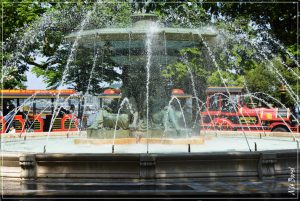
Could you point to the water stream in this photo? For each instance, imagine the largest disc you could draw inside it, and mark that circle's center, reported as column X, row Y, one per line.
column 150, row 36
column 218, row 69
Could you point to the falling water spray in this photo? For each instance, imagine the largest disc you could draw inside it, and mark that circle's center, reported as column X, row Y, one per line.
column 149, row 40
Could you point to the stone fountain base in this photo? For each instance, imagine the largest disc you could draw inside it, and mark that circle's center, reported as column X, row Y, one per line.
column 179, row 141
column 199, row 175
column 224, row 174
column 159, row 133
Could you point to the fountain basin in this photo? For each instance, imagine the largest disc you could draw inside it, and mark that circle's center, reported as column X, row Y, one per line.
column 221, row 174
column 174, row 141
column 127, row 45
column 210, row 141
column 139, row 28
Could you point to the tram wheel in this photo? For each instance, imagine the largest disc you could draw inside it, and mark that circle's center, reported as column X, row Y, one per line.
column 280, row 129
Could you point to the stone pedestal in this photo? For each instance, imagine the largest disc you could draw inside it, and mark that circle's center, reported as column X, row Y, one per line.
column 28, row 167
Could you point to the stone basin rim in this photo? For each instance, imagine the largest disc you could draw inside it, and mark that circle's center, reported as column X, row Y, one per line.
column 202, row 133
column 173, row 154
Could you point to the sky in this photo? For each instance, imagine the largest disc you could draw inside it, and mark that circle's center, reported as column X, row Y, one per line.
column 34, row 82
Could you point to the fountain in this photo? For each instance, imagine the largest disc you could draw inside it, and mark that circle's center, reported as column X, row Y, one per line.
column 145, row 145
column 144, row 49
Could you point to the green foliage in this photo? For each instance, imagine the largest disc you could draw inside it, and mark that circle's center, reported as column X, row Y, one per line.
column 291, row 80
column 264, row 79
column 16, row 16
column 191, row 66
column 49, row 31
column 224, row 78
column 278, row 18
column 181, row 13
column 261, row 79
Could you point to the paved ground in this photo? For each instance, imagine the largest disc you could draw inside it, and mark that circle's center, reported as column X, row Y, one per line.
column 278, row 188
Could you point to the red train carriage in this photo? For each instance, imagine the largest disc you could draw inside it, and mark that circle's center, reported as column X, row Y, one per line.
column 35, row 119
column 226, row 110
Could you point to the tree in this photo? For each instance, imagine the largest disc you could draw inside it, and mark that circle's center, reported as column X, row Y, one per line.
column 225, row 79
column 190, row 71
column 64, row 58
column 17, row 15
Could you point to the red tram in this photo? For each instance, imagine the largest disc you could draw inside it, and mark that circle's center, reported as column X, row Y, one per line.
column 226, row 110
column 29, row 116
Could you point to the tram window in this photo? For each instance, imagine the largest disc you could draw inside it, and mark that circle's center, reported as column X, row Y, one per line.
column 297, row 111
column 229, row 103
column 242, row 100
column 43, row 106
column 27, row 106
column 22, row 101
column 214, row 102
column 73, row 105
column 14, row 102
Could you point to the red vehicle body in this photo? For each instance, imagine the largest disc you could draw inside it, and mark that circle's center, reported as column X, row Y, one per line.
column 226, row 110
column 40, row 122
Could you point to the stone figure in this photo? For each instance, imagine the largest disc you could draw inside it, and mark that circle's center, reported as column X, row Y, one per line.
column 107, row 120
